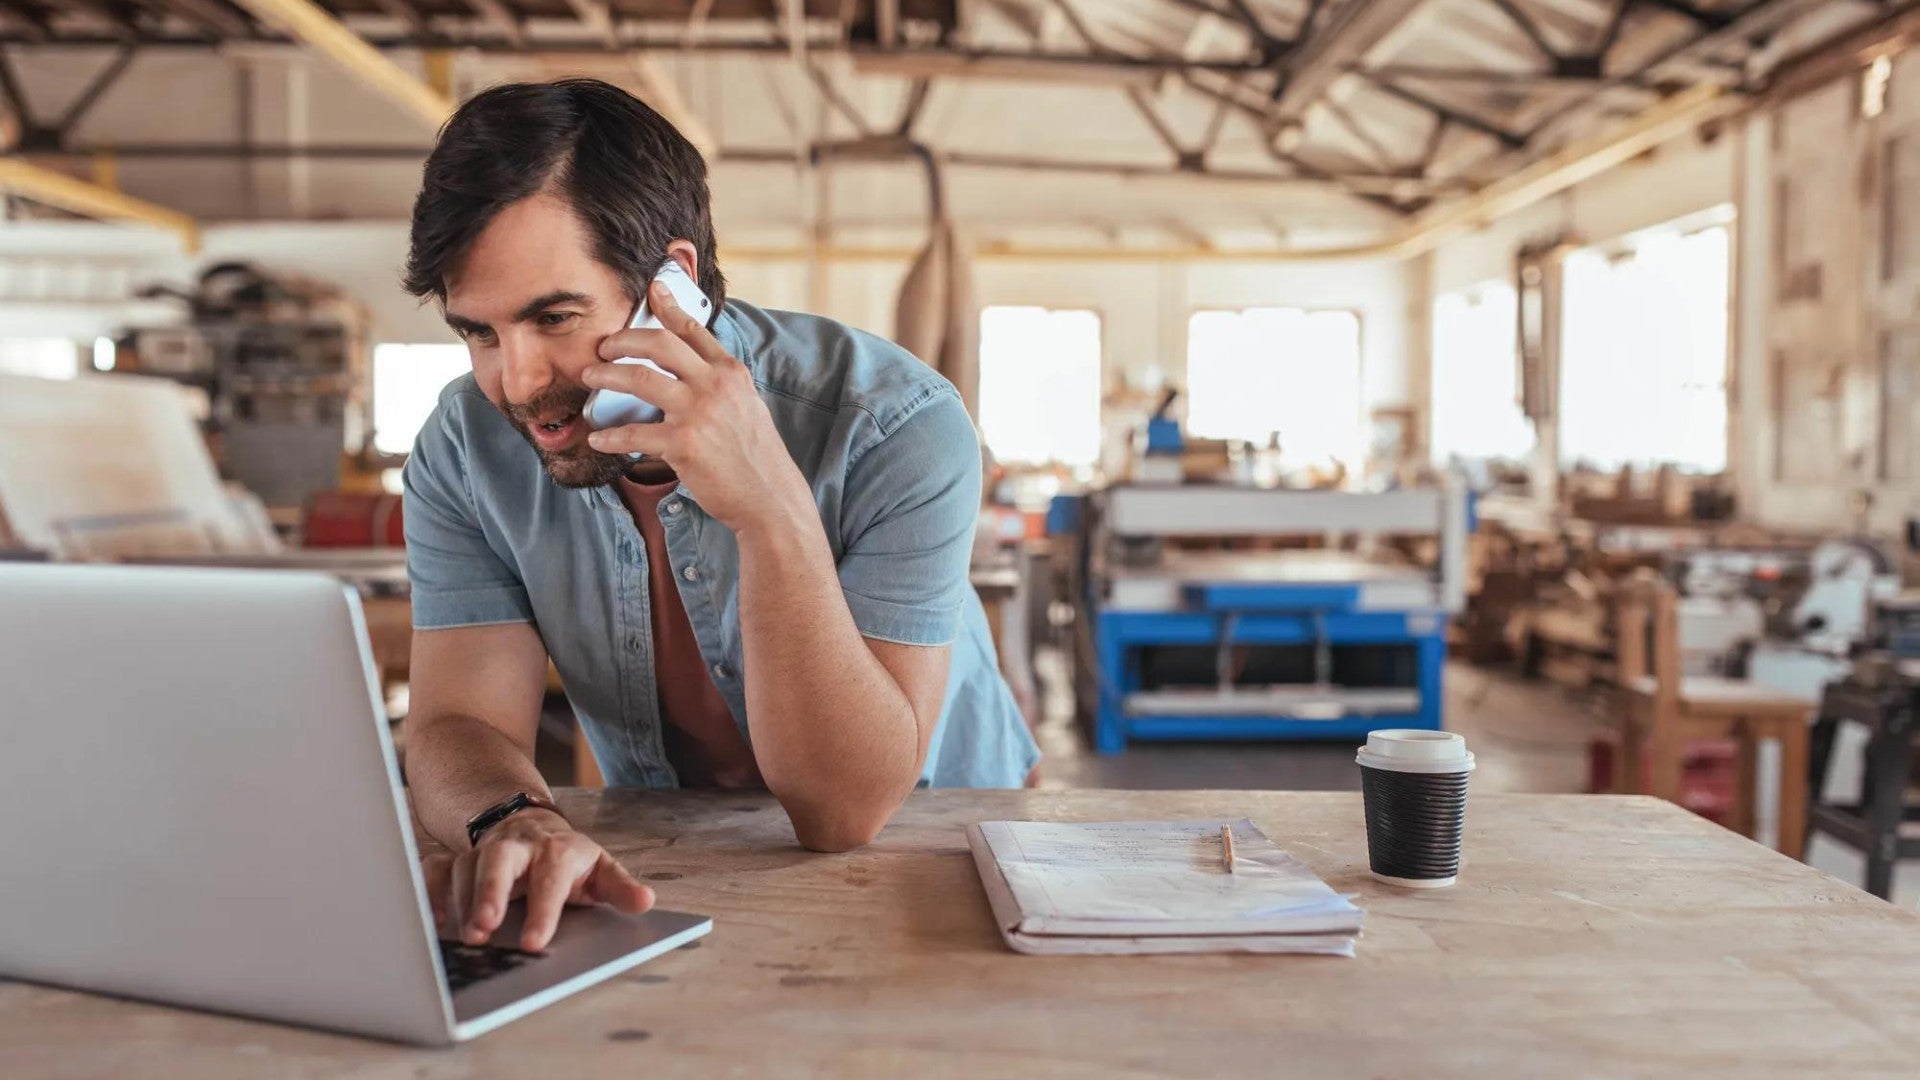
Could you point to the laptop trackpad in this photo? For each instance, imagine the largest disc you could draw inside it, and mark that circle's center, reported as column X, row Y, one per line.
column 592, row 945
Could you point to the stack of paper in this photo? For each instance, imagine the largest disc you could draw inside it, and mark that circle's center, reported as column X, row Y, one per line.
column 1155, row 887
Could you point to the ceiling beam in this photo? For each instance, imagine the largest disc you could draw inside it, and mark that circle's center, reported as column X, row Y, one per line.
column 502, row 18
column 910, row 109
column 114, row 13
column 887, row 150
column 1610, row 36
column 1527, row 26
column 1144, row 107
column 598, row 18
column 1033, row 65
column 1509, row 139
column 1575, row 164
column 1706, row 20
column 306, row 22
column 43, row 185
column 31, row 20
column 404, row 10
column 91, row 93
column 1845, row 55
column 1345, row 38
column 1105, row 70
column 215, row 16
column 1486, row 77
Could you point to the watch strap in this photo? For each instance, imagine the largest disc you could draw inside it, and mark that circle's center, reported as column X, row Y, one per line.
column 478, row 824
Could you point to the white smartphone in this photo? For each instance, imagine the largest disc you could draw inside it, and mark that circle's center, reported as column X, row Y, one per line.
column 610, row 408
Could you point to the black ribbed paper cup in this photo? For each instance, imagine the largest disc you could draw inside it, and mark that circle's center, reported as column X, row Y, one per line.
column 1414, row 784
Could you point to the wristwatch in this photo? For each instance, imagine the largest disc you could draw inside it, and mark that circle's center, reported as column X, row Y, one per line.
column 493, row 815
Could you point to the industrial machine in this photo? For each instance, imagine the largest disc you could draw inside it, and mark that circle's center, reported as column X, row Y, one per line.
column 1812, row 640
column 285, row 366
column 1194, row 636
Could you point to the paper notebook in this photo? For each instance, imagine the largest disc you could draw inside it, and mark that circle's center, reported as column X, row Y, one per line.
column 1154, row 887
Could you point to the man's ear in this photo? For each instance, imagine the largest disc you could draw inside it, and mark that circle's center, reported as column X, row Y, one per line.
column 684, row 253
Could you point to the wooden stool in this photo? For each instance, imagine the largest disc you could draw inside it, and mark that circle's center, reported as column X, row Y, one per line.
column 1885, row 703
column 1665, row 710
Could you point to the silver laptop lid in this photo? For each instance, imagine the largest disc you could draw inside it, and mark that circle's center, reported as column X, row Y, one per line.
column 199, row 802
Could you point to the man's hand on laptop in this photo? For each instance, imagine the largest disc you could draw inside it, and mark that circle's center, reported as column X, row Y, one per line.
column 533, row 854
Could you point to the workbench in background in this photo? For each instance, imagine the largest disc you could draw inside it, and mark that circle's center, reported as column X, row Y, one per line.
column 1205, row 617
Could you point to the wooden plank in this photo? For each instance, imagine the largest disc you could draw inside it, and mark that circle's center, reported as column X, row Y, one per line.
column 1590, row 935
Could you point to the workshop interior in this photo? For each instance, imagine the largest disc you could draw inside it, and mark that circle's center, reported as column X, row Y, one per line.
column 1544, row 373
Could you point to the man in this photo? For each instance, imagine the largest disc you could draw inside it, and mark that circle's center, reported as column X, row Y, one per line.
column 774, row 595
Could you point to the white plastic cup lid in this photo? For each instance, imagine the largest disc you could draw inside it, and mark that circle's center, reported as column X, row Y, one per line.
column 1416, row 751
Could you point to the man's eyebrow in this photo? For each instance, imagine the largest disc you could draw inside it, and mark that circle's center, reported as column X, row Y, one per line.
column 463, row 325
column 527, row 311
column 539, row 304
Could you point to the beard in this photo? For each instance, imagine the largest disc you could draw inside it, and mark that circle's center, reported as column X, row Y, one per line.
column 577, row 467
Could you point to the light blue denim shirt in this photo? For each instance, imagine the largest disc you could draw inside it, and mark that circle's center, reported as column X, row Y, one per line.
column 894, row 466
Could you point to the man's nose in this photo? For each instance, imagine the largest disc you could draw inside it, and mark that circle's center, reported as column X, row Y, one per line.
column 525, row 369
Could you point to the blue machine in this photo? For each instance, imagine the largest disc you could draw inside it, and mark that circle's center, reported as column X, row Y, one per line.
column 1303, row 644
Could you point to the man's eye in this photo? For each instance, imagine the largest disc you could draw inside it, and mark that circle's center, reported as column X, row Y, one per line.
column 556, row 318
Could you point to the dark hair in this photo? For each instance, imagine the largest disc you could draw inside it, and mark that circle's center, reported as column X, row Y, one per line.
column 630, row 176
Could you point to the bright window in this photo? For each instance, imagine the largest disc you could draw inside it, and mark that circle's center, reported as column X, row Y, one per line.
column 48, row 358
column 1476, row 405
column 407, row 380
column 1040, row 384
column 1643, row 377
column 1255, row 372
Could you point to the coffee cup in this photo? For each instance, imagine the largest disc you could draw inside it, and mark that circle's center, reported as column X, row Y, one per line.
column 1414, row 784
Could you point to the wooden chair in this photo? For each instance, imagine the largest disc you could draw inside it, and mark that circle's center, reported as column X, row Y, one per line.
column 1665, row 710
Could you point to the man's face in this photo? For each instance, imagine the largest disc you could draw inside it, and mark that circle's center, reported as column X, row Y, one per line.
column 532, row 304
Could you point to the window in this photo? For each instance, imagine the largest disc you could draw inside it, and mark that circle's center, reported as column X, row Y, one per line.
column 1040, row 384
column 1476, row 392
column 1259, row 371
column 1644, row 353
column 407, row 380
column 48, row 358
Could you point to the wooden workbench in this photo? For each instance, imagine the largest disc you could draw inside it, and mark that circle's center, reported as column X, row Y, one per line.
column 1590, row 936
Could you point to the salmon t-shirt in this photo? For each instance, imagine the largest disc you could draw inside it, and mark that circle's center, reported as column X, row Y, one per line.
column 702, row 743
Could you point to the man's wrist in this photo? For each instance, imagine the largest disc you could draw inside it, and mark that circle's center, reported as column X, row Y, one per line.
column 517, row 805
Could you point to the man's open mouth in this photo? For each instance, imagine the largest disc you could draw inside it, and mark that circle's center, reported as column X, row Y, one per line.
column 559, row 433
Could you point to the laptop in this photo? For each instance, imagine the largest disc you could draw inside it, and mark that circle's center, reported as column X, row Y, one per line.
column 199, row 805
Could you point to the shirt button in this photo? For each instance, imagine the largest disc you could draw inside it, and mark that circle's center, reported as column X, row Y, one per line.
column 720, row 671
column 690, row 574
column 673, row 506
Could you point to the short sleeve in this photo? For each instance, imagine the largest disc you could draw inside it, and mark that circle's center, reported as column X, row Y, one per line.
column 911, row 505
column 458, row 579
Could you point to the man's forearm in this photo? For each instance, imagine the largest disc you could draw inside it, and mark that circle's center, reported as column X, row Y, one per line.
column 834, row 735
column 458, row 765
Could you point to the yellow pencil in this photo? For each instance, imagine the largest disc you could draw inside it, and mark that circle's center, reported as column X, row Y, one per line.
column 1226, row 848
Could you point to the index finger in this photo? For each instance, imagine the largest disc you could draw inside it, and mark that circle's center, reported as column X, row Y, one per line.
column 683, row 324
column 549, row 882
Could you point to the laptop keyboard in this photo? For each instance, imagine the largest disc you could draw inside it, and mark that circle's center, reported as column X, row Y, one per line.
column 468, row 964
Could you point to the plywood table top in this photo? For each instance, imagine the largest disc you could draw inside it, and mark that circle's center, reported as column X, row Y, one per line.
column 1589, row 936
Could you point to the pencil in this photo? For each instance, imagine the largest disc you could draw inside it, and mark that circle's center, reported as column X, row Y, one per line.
column 1226, row 848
